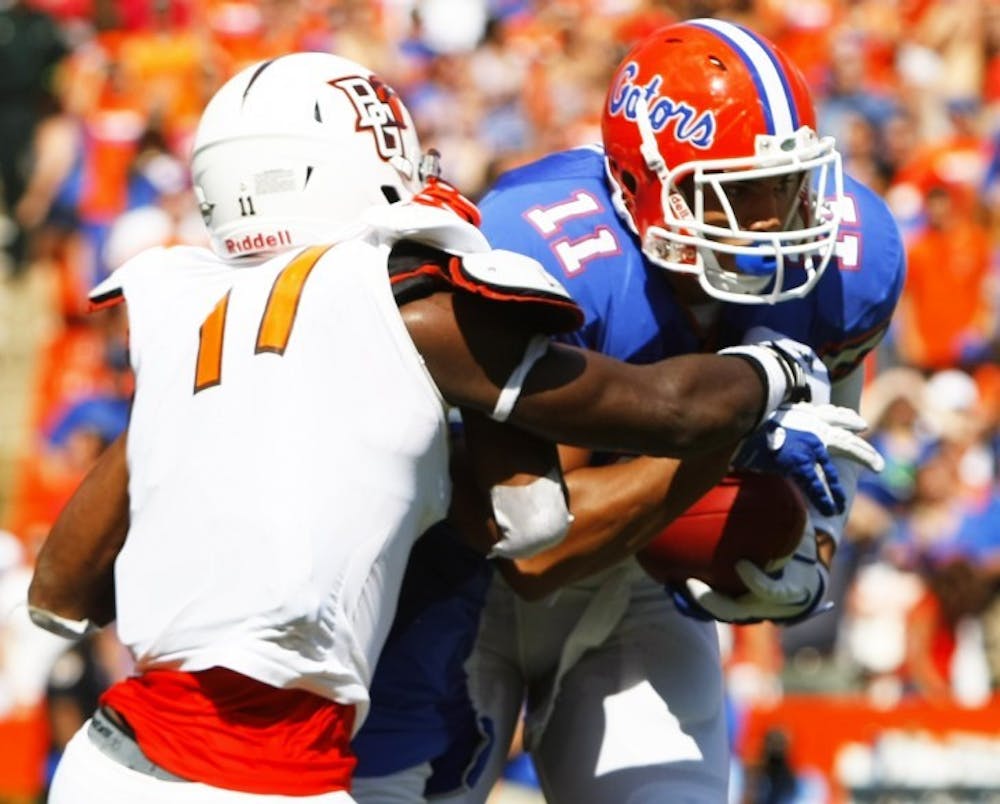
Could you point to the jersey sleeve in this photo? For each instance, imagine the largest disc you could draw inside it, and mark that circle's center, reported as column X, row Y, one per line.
column 848, row 312
column 505, row 226
column 112, row 289
column 870, row 269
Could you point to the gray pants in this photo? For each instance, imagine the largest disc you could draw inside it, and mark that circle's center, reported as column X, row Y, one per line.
column 118, row 743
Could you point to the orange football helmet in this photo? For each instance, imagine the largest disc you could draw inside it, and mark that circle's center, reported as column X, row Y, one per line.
column 695, row 108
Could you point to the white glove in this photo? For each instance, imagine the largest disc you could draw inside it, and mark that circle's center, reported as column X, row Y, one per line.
column 798, row 441
column 786, row 596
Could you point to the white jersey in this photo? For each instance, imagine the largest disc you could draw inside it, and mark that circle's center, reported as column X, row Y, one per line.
column 286, row 448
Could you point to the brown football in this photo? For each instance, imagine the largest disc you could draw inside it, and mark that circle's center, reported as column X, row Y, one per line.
column 748, row 515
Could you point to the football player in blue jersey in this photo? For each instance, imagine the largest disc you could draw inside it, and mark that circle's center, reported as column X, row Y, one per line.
column 714, row 215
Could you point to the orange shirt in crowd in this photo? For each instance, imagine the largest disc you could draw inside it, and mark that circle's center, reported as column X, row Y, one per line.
column 931, row 644
column 172, row 67
column 25, row 739
column 111, row 136
column 803, row 31
column 110, row 107
column 71, row 367
column 944, row 296
column 43, row 487
column 958, row 162
column 244, row 32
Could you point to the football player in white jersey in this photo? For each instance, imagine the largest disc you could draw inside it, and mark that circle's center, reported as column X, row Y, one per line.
column 288, row 440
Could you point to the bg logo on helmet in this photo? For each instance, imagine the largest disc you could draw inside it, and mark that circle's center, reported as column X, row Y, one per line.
column 379, row 111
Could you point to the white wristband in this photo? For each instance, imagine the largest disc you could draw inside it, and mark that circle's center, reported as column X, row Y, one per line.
column 774, row 371
column 61, row 626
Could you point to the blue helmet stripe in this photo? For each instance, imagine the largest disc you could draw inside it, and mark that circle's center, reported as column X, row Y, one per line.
column 789, row 97
column 772, row 86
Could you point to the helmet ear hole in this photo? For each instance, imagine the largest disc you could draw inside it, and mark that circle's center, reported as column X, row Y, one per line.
column 391, row 193
column 630, row 182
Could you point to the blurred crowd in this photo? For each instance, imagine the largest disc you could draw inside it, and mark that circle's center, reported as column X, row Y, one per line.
column 98, row 100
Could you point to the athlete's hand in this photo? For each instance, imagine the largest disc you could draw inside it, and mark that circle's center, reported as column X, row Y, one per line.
column 786, row 596
column 797, row 441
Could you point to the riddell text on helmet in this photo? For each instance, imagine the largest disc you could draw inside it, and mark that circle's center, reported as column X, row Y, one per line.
column 259, row 241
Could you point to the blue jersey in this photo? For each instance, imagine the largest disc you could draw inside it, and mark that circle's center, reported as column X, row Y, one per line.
column 559, row 211
column 420, row 710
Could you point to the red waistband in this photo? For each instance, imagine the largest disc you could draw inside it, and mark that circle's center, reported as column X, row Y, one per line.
column 230, row 731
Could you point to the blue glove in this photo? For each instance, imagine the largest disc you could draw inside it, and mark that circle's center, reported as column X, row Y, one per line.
column 797, row 441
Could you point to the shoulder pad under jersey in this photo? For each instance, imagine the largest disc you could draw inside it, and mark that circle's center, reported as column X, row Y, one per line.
column 432, row 226
column 417, row 270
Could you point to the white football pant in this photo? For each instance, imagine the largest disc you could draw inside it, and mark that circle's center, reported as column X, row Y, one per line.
column 88, row 776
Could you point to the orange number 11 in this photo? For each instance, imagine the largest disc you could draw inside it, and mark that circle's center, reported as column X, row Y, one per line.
column 275, row 324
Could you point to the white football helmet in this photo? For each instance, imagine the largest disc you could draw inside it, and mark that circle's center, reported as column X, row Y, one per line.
column 290, row 150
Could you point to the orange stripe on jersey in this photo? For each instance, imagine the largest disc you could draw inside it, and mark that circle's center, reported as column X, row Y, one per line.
column 208, row 371
column 283, row 303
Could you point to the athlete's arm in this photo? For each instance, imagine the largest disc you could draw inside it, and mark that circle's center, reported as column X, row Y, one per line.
column 471, row 347
column 617, row 509
column 679, row 407
column 74, row 573
column 508, row 497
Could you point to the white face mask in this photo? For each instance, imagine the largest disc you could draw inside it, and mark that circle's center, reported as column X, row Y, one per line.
column 686, row 243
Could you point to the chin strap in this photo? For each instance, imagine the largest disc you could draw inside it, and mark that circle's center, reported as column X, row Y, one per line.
column 648, row 148
column 536, row 348
column 670, row 198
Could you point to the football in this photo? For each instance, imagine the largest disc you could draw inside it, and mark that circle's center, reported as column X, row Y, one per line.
column 749, row 515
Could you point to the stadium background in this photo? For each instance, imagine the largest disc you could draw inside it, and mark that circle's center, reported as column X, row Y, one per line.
column 890, row 698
